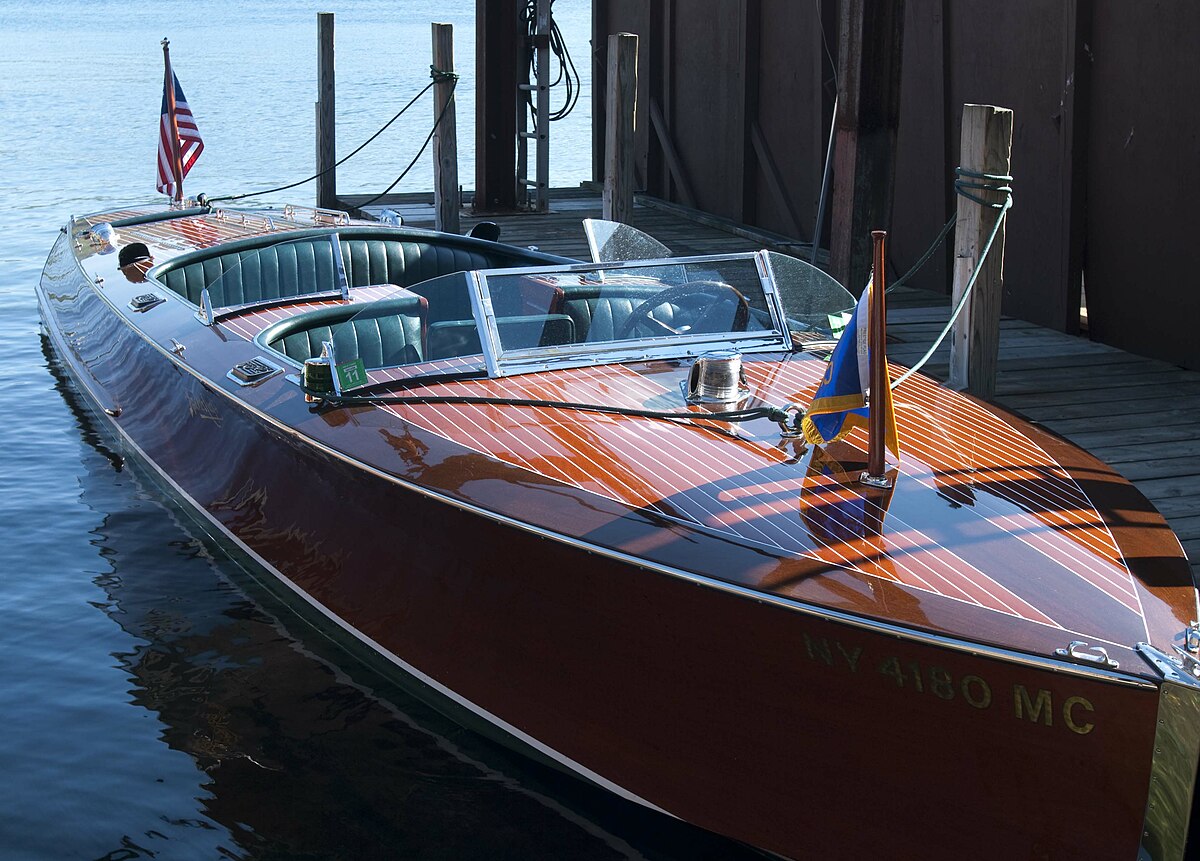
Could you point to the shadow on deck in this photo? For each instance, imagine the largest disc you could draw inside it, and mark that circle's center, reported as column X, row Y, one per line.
column 1140, row 415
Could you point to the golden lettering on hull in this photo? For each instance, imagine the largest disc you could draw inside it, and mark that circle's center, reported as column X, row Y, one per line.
column 1035, row 708
column 1070, row 718
column 1030, row 705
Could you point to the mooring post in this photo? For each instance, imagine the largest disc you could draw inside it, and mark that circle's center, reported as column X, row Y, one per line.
column 985, row 148
column 870, row 54
column 326, row 149
column 447, row 199
column 619, row 127
column 498, row 43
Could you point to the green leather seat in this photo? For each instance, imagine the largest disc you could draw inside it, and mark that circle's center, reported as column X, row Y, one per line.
column 599, row 312
column 452, row 338
column 283, row 266
column 383, row 334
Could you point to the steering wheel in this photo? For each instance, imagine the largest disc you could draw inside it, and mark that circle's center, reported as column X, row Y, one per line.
column 703, row 297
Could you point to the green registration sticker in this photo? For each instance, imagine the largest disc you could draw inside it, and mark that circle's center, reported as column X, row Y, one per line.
column 839, row 322
column 351, row 374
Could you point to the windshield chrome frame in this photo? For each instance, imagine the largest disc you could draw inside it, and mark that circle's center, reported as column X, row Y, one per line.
column 501, row 363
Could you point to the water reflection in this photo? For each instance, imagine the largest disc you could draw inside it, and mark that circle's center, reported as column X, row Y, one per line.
column 292, row 757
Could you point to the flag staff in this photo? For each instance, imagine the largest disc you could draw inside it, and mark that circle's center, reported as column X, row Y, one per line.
column 880, row 385
column 173, row 121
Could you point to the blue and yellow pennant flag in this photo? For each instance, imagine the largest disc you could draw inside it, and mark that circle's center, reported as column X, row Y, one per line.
column 840, row 403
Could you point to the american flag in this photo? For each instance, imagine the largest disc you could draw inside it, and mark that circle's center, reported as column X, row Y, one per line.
column 189, row 143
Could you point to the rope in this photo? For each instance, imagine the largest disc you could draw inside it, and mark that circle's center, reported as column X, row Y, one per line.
column 437, row 75
column 985, row 182
column 783, row 416
column 899, row 282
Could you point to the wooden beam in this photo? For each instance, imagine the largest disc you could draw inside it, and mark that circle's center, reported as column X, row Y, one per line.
column 975, row 341
column 670, row 155
column 751, row 27
column 498, row 42
column 774, row 178
column 326, row 118
column 599, row 58
column 619, row 125
column 871, row 39
column 447, row 198
column 1073, row 122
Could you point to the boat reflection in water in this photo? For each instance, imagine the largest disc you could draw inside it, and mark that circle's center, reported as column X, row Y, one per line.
column 294, row 758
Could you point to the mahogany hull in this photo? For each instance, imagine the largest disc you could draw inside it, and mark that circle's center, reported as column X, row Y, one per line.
column 796, row 728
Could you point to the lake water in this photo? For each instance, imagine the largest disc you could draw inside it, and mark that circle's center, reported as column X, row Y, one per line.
column 155, row 706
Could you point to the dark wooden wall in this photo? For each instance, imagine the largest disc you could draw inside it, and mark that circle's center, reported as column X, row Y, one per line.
column 1103, row 94
column 1143, row 144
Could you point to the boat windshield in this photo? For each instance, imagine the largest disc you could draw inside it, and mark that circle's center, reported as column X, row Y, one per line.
column 668, row 308
column 622, row 311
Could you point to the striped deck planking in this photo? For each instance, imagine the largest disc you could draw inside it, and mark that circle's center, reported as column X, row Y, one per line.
column 1140, row 415
column 752, row 491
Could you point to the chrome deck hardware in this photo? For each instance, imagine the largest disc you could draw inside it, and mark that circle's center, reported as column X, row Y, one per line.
column 205, row 314
column 253, row 371
column 717, row 377
column 1081, row 653
column 316, row 215
column 1191, row 637
column 145, row 301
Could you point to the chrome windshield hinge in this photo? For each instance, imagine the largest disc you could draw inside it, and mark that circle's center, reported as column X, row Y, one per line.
column 206, row 314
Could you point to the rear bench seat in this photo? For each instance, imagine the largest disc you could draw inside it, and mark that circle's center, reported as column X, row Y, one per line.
column 282, row 266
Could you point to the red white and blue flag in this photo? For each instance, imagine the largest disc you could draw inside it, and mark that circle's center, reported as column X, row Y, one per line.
column 179, row 143
column 840, row 402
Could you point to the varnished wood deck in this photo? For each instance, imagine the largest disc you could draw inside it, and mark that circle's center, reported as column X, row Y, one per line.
column 1140, row 415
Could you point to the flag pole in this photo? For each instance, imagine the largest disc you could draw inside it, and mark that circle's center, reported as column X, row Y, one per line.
column 169, row 89
column 879, row 381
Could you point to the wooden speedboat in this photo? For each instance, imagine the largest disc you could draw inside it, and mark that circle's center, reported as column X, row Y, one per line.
column 569, row 500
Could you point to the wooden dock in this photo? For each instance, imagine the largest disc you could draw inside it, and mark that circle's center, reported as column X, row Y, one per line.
column 1140, row 415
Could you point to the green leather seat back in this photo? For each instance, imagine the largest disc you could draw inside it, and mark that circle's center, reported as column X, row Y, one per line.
column 600, row 312
column 452, row 338
column 382, row 334
column 270, row 268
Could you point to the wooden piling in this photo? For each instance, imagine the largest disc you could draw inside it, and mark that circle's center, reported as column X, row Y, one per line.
column 870, row 50
column 619, row 127
column 326, row 140
column 985, row 147
column 498, row 69
column 447, row 197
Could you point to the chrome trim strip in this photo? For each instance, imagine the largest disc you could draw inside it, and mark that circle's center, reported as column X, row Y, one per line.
column 861, row 623
column 1173, row 766
column 587, row 266
column 767, row 274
